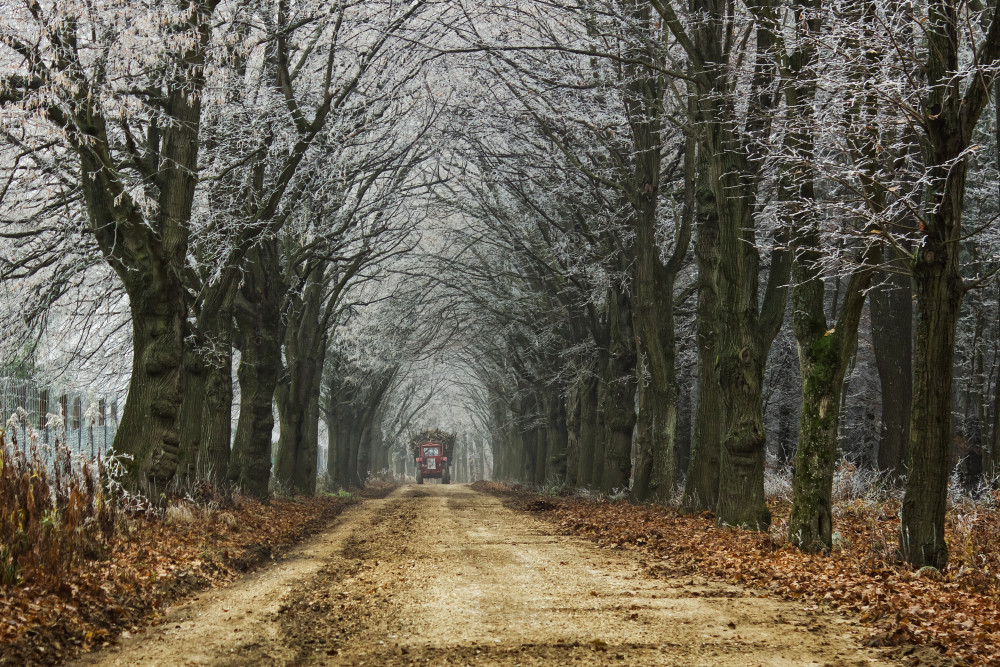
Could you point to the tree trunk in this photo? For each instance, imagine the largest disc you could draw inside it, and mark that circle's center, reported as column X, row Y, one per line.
column 734, row 169
column 939, row 297
column 991, row 452
column 589, row 431
column 600, row 425
column 824, row 356
column 746, row 330
column 741, row 464
column 541, row 441
column 333, row 436
column 206, row 409
column 482, row 473
column 573, row 411
column 824, row 353
column 363, row 468
column 525, row 473
column 351, row 471
column 701, row 490
column 298, row 446
column 148, row 252
column 377, row 446
column 742, row 353
column 745, row 339
column 652, row 280
column 950, row 112
column 149, row 430
column 192, row 406
column 892, row 338
column 665, row 455
column 296, row 459
column 620, row 388
column 217, row 413
column 260, row 332
column 556, row 437
column 643, row 470
column 500, row 438
column 991, row 444
column 684, row 414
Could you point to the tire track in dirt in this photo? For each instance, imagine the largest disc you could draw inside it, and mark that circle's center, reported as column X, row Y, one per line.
column 438, row 574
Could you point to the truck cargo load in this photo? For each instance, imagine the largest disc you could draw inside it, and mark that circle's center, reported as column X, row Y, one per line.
column 432, row 450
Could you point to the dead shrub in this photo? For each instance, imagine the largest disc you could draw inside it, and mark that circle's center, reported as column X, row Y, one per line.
column 49, row 521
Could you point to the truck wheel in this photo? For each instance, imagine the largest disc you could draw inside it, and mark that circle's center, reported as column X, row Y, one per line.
column 420, row 477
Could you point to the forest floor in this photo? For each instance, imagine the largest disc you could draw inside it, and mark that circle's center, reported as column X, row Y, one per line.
column 153, row 561
column 439, row 574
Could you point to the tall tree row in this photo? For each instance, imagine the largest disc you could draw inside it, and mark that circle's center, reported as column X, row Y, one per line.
column 188, row 134
column 777, row 133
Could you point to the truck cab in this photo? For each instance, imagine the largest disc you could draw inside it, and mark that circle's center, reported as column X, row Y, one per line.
column 431, row 462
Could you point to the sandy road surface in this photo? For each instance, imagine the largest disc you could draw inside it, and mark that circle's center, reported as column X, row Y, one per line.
column 444, row 575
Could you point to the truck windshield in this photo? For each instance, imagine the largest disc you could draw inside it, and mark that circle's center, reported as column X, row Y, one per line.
column 432, row 451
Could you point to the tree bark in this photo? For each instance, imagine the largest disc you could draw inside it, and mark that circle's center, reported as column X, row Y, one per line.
column 149, row 430
column 939, row 296
column 482, row 472
column 364, row 447
column 684, row 415
column 619, row 399
column 991, row 452
column 824, row 355
column 892, row 338
column 149, row 253
column 206, row 409
column 949, row 114
column 557, row 437
column 589, row 431
column 735, row 164
column 217, row 410
column 217, row 415
column 573, row 412
column 332, row 435
column 701, row 490
column 298, row 392
column 257, row 310
column 353, row 458
column 643, row 470
column 192, row 405
column 652, row 279
column 540, row 438
column 745, row 338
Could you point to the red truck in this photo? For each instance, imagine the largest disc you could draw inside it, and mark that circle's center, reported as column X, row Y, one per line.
column 431, row 450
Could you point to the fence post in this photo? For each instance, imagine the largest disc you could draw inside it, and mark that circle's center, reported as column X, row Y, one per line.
column 102, row 407
column 64, row 412
column 43, row 409
column 78, row 423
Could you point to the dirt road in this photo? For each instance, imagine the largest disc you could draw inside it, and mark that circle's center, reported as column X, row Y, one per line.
column 445, row 575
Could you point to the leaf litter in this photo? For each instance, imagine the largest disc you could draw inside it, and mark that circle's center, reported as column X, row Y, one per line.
column 153, row 561
column 956, row 612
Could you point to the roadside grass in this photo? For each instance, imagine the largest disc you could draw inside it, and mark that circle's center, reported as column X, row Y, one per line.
column 82, row 563
column 956, row 611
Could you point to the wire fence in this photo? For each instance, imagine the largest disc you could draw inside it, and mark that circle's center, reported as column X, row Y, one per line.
column 85, row 423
